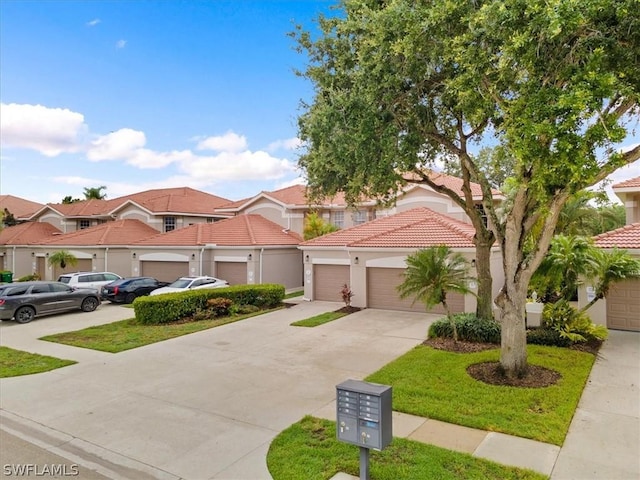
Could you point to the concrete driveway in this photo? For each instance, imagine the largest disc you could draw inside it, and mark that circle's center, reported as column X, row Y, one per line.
column 202, row 406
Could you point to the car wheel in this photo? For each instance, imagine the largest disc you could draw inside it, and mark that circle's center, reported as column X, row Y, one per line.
column 89, row 304
column 130, row 298
column 25, row 314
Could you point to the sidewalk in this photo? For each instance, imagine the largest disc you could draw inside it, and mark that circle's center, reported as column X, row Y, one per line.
column 603, row 439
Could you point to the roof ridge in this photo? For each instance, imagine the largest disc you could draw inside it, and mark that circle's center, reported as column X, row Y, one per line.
column 401, row 227
column 250, row 229
column 617, row 230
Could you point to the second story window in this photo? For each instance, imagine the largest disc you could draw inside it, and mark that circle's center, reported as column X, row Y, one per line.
column 359, row 217
column 84, row 223
column 337, row 218
column 169, row 224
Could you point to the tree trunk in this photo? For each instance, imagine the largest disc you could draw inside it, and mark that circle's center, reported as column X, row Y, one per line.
column 451, row 320
column 513, row 342
column 484, row 306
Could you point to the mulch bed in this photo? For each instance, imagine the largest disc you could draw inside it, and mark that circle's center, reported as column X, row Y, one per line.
column 348, row 310
column 491, row 372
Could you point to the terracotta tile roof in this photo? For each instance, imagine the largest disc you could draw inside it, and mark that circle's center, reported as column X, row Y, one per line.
column 630, row 183
column 243, row 230
column 624, row 237
column 415, row 228
column 119, row 232
column 451, row 182
column 28, row 233
column 293, row 196
column 182, row 200
column 19, row 207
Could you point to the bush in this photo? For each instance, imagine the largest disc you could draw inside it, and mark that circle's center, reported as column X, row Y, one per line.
column 547, row 337
column 571, row 324
column 29, row 278
column 160, row 309
column 470, row 328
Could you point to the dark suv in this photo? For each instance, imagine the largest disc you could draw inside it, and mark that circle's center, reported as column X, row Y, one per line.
column 23, row 301
column 127, row 290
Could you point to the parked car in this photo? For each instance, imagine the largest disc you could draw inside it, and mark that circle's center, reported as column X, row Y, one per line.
column 191, row 283
column 23, row 301
column 126, row 290
column 93, row 280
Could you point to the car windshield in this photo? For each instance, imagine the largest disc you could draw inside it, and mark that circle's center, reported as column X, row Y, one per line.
column 181, row 283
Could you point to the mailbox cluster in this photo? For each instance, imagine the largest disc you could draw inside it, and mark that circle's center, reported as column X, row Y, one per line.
column 364, row 414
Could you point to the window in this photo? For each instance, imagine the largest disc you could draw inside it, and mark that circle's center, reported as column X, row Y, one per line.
column 169, row 224
column 56, row 287
column 109, row 277
column 337, row 218
column 84, row 223
column 44, row 288
column 359, row 217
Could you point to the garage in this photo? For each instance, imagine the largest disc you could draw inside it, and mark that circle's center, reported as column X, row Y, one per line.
column 382, row 293
column 623, row 306
column 233, row 272
column 164, row 271
column 328, row 281
column 82, row 265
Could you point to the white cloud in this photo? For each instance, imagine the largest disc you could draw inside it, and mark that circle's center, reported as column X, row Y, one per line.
column 119, row 145
column 229, row 142
column 93, row 22
column 233, row 165
column 287, row 144
column 50, row 131
column 121, row 43
column 145, row 158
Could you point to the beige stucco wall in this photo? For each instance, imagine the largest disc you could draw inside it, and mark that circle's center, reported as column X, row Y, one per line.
column 52, row 218
column 382, row 258
column 424, row 197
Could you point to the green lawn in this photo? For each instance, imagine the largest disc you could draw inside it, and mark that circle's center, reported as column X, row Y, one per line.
column 14, row 363
column 434, row 383
column 127, row 334
column 299, row 293
column 309, row 450
column 319, row 319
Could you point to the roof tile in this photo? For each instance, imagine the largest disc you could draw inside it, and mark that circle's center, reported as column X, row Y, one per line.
column 243, row 230
column 119, row 232
column 19, row 207
column 415, row 228
column 630, row 183
column 29, row 233
column 624, row 237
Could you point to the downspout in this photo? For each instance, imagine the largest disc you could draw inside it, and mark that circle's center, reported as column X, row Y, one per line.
column 200, row 262
column 106, row 259
column 13, row 260
column 261, row 252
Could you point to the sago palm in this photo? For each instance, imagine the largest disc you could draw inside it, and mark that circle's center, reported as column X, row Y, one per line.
column 431, row 274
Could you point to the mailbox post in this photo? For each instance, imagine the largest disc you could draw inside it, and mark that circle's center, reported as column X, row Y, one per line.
column 363, row 412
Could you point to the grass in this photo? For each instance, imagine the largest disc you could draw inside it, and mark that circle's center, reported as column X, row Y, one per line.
column 308, row 449
column 127, row 334
column 319, row 319
column 14, row 363
column 434, row 383
column 299, row 293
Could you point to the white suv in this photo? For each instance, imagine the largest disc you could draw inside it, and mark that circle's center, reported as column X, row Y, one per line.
column 92, row 280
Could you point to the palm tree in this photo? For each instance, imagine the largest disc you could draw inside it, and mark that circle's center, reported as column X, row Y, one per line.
column 62, row 258
column 567, row 260
column 609, row 268
column 433, row 272
column 95, row 193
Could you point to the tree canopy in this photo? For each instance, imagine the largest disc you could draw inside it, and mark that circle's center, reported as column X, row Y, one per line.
column 95, row 193
column 401, row 84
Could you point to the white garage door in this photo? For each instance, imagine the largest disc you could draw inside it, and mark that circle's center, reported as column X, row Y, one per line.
column 164, row 271
column 382, row 293
column 233, row 272
column 623, row 306
column 328, row 281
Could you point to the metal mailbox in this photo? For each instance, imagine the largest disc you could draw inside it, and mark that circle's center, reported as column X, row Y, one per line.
column 363, row 412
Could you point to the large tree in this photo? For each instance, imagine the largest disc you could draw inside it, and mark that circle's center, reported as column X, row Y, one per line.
column 400, row 84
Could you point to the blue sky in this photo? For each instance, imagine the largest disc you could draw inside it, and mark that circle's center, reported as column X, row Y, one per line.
column 135, row 95
column 150, row 94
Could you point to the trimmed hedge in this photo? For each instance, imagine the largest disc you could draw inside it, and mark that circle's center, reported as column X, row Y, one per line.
column 470, row 328
column 171, row 307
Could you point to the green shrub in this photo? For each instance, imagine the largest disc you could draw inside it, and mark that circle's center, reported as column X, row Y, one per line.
column 159, row 309
column 547, row 337
column 470, row 328
column 29, row 278
column 570, row 323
